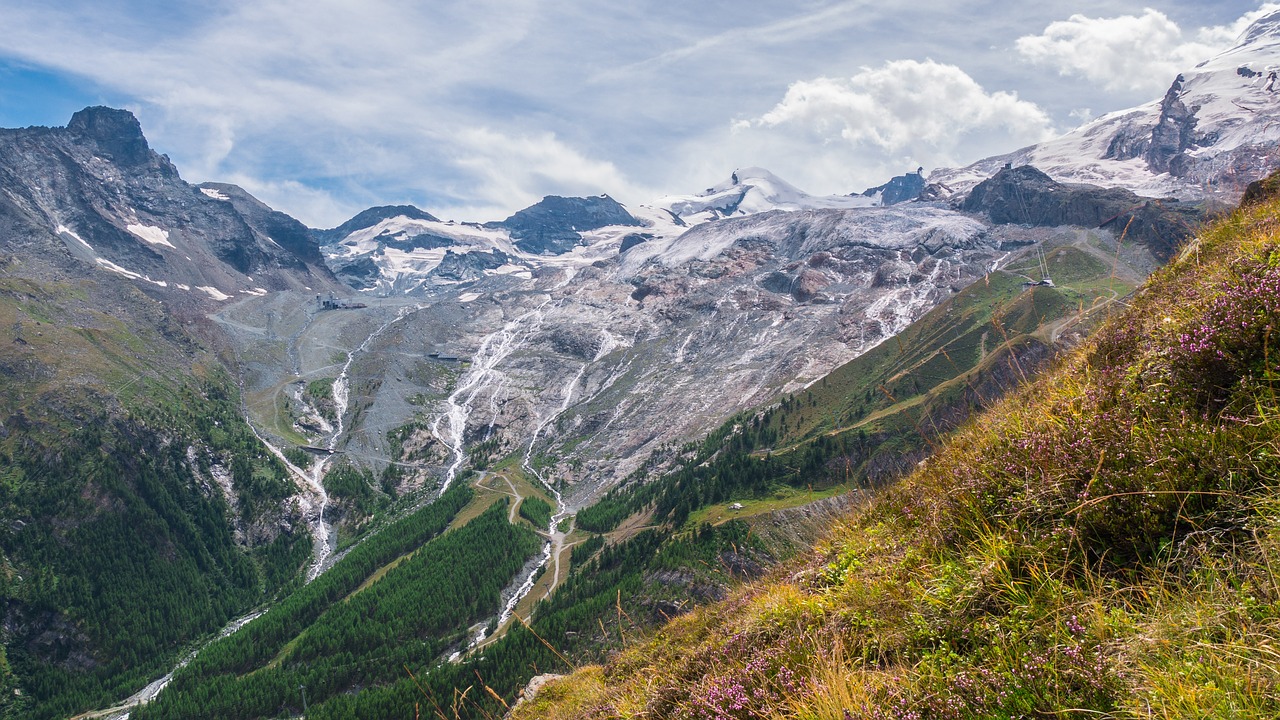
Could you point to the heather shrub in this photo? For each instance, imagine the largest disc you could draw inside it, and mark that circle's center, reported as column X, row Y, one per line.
column 1102, row 544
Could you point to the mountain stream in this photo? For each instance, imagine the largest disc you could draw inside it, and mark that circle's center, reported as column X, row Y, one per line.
column 313, row 479
column 555, row 535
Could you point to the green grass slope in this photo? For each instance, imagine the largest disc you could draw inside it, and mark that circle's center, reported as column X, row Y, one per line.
column 965, row 353
column 1103, row 543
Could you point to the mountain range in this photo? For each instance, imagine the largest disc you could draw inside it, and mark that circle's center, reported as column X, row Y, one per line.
column 208, row 407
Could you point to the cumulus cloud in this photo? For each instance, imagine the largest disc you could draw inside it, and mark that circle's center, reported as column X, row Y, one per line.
column 1138, row 53
column 908, row 111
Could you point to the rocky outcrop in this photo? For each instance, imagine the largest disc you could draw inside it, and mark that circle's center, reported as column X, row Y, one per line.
column 787, row 531
column 462, row 267
column 360, row 273
column 1026, row 196
column 1174, row 134
column 280, row 228
column 1261, row 190
column 530, row 692
column 803, row 286
column 902, row 188
column 117, row 132
column 555, row 225
column 633, row 240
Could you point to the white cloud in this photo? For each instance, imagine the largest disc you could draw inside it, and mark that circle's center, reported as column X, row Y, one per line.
column 896, row 116
column 320, row 206
column 508, row 169
column 481, row 106
column 1224, row 36
column 1138, row 53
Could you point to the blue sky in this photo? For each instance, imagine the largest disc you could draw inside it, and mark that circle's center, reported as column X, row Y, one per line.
column 474, row 109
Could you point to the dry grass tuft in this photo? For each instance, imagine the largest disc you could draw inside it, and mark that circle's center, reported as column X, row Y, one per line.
column 1104, row 543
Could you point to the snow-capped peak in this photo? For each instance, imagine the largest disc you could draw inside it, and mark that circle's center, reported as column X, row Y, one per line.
column 1216, row 129
column 749, row 191
column 1267, row 26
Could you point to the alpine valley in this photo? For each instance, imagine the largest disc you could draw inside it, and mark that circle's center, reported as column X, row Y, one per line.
column 254, row 469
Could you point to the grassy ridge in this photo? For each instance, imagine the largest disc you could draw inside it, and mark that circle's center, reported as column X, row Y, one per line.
column 967, row 350
column 1101, row 544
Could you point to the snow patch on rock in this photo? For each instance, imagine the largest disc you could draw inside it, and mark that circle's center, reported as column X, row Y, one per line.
column 213, row 292
column 64, row 230
column 151, row 235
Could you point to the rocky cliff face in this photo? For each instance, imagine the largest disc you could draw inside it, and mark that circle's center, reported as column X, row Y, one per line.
column 1026, row 196
column 1174, row 133
column 116, row 132
column 94, row 191
column 280, row 228
column 900, row 189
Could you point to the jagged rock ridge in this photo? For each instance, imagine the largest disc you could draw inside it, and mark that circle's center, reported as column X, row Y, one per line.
column 95, row 191
column 900, row 189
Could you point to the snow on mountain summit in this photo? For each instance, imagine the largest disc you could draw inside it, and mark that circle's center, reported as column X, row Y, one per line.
column 749, row 191
column 1264, row 27
column 398, row 249
column 1216, row 129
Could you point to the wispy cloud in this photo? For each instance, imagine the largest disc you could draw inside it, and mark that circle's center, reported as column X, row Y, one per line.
column 481, row 106
column 320, row 89
column 823, row 21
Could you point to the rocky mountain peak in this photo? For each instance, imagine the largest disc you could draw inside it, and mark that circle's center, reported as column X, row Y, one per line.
column 373, row 216
column 116, row 131
column 555, row 224
column 94, row 197
column 901, row 188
